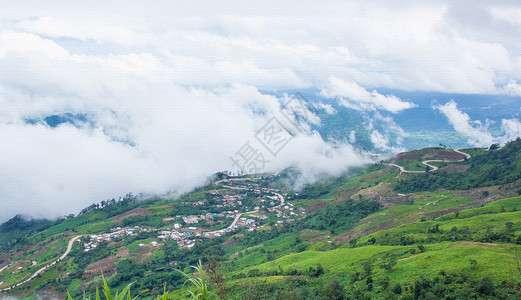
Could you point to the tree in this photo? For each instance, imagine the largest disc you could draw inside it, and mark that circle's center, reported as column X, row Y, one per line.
column 319, row 271
column 335, row 290
column 397, row 289
column 486, row 286
column 473, row 262
column 420, row 285
column 509, row 225
column 494, row 146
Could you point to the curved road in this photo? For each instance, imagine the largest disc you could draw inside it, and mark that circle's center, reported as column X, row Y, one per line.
column 426, row 163
column 41, row 270
column 281, row 198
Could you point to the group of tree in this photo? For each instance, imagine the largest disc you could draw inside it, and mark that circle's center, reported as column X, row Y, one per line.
column 490, row 168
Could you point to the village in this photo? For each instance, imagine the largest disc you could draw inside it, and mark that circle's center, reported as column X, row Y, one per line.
column 185, row 230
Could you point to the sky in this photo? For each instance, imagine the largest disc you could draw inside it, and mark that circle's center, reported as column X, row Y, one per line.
column 169, row 91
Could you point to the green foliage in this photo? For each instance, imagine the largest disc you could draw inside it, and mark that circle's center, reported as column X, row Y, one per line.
column 397, row 289
column 339, row 218
column 18, row 229
column 486, row 286
column 123, row 295
column 491, row 168
column 194, row 288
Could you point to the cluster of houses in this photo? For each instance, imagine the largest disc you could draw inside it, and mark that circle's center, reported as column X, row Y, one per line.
column 186, row 237
column 194, row 219
column 96, row 239
column 268, row 200
column 227, row 200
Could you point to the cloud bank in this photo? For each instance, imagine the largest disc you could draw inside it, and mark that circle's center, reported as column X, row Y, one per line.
column 478, row 134
column 167, row 92
column 354, row 96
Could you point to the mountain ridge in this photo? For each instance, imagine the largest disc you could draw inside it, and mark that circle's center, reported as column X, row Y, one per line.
column 266, row 242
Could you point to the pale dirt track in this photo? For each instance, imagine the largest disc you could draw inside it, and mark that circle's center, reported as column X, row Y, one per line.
column 41, row 270
column 432, row 167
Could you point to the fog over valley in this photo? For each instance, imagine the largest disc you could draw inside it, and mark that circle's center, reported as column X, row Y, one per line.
column 153, row 98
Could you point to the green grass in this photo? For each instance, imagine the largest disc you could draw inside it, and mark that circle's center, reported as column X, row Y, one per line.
column 410, row 165
column 335, row 261
column 484, row 222
column 405, row 214
column 160, row 210
column 498, row 206
column 135, row 245
column 96, row 227
column 308, row 234
column 494, row 262
column 477, row 224
column 474, row 151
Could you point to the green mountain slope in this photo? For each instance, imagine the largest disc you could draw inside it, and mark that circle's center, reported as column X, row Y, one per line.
column 376, row 233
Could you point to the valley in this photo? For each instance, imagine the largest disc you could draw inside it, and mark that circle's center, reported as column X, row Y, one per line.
column 370, row 233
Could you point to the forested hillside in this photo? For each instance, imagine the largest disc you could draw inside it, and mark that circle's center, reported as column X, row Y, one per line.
column 490, row 168
column 375, row 233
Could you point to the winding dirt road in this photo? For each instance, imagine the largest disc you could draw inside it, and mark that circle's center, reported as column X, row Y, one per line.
column 432, row 167
column 41, row 270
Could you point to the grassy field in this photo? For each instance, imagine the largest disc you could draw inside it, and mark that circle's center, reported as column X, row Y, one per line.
column 490, row 261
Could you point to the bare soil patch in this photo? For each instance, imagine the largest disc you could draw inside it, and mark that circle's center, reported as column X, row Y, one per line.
column 350, row 191
column 163, row 206
column 418, row 155
column 107, row 265
column 474, row 244
column 443, row 155
column 134, row 212
column 114, row 244
column 475, row 192
column 316, row 206
column 351, row 234
column 231, row 241
column 439, row 213
column 316, row 239
column 142, row 254
column 409, row 257
column 454, row 168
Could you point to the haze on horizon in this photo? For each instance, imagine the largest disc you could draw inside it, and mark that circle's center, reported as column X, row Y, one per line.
column 164, row 93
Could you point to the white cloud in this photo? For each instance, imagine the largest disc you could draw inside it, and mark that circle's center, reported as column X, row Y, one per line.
column 379, row 141
column 330, row 110
column 96, row 30
column 352, row 137
column 477, row 133
column 181, row 82
column 356, row 97
column 181, row 134
column 512, row 88
column 512, row 129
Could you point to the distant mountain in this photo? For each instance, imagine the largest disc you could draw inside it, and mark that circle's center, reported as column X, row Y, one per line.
column 19, row 228
column 414, row 128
